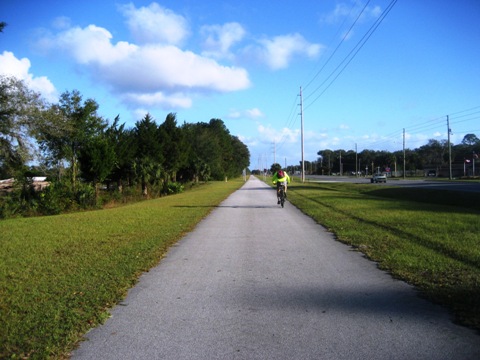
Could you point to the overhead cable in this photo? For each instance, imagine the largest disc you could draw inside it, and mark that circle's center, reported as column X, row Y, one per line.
column 339, row 44
column 351, row 55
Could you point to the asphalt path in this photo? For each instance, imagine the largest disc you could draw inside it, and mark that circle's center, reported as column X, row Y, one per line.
column 255, row 281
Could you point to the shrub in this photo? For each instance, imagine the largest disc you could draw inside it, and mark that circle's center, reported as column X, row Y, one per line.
column 173, row 188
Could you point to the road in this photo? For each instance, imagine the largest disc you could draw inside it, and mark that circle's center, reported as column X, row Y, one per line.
column 255, row 281
column 466, row 186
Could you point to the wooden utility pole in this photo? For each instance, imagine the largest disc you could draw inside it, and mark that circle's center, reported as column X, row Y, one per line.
column 274, row 152
column 449, row 149
column 340, row 164
column 356, row 161
column 301, row 117
column 404, row 162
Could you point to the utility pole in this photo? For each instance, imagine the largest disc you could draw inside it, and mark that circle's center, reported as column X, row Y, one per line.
column 274, row 151
column 340, row 164
column 404, row 162
column 449, row 149
column 301, row 116
column 356, row 161
column 473, row 163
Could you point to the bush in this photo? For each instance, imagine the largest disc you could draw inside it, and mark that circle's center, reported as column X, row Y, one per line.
column 8, row 207
column 85, row 196
column 173, row 188
column 55, row 199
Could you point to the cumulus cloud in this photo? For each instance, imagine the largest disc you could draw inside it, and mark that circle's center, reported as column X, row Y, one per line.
column 90, row 45
column 351, row 11
column 61, row 22
column 20, row 69
column 155, row 24
column 280, row 50
column 220, row 38
column 148, row 73
column 283, row 135
column 253, row 113
column 155, row 70
column 152, row 99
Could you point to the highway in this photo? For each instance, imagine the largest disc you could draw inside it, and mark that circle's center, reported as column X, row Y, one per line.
column 456, row 185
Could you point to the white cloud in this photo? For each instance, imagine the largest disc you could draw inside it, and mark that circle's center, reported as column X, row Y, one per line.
column 341, row 11
column 158, row 98
column 284, row 135
column 150, row 72
column 279, row 51
column 220, row 38
column 155, row 24
column 19, row 68
column 253, row 113
column 351, row 11
column 234, row 114
column 90, row 45
column 168, row 68
column 61, row 22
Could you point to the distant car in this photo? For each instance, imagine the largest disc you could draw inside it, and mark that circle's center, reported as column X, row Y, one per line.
column 432, row 173
column 376, row 178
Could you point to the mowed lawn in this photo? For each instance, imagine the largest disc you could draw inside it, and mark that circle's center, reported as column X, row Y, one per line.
column 59, row 275
column 430, row 239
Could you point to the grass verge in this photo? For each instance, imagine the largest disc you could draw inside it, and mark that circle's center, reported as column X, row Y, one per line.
column 428, row 238
column 59, row 275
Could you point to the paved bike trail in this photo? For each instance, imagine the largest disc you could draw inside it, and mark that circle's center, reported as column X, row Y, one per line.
column 255, row 281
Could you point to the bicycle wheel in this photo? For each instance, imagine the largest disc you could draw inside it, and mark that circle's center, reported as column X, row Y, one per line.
column 282, row 197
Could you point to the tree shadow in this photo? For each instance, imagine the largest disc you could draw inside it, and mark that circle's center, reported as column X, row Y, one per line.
column 397, row 302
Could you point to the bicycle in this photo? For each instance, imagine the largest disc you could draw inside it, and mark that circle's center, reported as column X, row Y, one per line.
column 281, row 194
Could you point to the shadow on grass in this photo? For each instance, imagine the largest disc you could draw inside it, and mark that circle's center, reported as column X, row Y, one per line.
column 431, row 196
column 455, row 198
column 407, row 236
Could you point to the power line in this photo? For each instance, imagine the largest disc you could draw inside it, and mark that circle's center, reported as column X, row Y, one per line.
column 361, row 42
column 339, row 44
column 351, row 55
column 459, row 112
column 436, row 123
column 290, row 122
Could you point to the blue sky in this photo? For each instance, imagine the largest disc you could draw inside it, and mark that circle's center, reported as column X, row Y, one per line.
column 245, row 61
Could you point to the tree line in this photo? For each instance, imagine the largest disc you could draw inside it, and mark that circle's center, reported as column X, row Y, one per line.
column 81, row 153
column 435, row 156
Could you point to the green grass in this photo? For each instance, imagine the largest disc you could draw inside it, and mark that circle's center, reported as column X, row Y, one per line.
column 59, row 275
column 427, row 238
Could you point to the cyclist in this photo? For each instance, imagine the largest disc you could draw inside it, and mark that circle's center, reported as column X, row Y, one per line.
column 280, row 177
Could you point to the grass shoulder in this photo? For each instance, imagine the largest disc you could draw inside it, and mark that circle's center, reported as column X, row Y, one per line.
column 60, row 274
column 428, row 238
